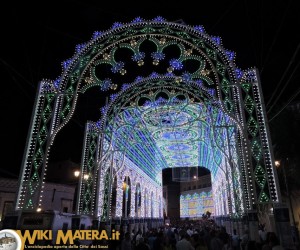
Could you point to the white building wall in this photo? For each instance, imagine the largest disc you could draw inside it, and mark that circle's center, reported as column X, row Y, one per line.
column 55, row 196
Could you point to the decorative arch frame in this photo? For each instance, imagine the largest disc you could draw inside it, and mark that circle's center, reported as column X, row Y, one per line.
column 237, row 92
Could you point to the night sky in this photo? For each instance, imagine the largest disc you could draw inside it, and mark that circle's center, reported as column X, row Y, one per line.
column 36, row 38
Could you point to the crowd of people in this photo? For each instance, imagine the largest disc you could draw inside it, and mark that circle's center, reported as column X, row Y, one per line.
column 195, row 235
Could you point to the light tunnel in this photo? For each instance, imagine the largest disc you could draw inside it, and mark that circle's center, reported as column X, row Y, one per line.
column 176, row 100
column 165, row 128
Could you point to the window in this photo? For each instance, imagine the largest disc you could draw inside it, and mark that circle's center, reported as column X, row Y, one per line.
column 66, row 205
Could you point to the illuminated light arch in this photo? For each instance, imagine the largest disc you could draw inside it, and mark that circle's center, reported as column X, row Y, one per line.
column 130, row 119
column 126, row 197
column 233, row 127
column 138, row 200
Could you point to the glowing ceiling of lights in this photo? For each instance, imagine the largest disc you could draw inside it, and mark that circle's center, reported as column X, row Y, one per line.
column 167, row 134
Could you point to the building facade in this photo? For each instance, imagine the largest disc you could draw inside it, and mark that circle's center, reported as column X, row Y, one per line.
column 196, row 198
column 59, row 197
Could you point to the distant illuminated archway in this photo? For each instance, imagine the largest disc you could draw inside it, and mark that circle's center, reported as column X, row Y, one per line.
column 188, row 106
column 138, row 202
column 126, row 197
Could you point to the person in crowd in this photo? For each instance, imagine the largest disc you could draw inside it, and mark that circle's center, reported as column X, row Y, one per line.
column 251, row 245
column 176, row 234
column 126, row 242
column 227, row 244
column 158, row 243
column 198, row 242
column 137, row 236
column 235, row 240
column 262, row 234
column 274, row 242
column 244, row 239
column 167, row 243
column 151, row 239
column 215, row 242
column 141, row 245
column 184, row 243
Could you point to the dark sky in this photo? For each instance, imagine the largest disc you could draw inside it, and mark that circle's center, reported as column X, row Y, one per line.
column 36, row 38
